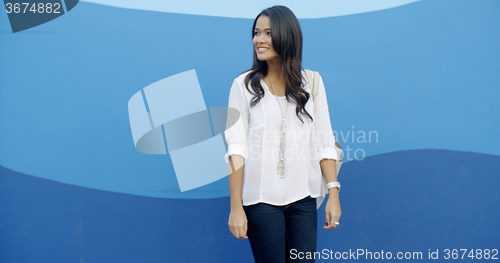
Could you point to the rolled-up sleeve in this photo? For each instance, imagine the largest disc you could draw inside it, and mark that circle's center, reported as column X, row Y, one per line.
column 322, row 124
column 236, row 135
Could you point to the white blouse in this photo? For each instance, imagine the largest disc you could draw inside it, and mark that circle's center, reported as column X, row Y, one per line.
column 256, row 137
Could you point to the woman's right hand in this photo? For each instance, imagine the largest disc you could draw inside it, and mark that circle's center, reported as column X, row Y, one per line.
column 238, row 223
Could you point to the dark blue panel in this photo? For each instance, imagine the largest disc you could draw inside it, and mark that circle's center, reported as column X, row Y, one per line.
column 70, row 4
column 402, row 201
column 46, row 221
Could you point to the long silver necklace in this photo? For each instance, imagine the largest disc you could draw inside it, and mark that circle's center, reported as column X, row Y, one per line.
column 281, row 163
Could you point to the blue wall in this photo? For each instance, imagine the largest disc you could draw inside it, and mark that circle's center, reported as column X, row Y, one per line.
column 423, row 77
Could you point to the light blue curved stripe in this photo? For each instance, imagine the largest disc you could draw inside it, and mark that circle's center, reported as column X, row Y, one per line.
column 250, row 9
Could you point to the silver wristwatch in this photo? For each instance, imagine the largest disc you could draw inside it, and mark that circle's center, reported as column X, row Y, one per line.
column 333, row 184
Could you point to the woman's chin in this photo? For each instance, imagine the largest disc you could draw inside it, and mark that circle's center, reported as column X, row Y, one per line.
column 261, row 58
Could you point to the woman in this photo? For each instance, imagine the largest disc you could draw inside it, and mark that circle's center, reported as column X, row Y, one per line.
column 280, row 146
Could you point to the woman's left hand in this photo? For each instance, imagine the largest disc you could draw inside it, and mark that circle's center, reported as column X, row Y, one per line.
column 332, row 209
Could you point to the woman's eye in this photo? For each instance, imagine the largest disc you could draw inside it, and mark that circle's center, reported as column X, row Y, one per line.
column 255, row 33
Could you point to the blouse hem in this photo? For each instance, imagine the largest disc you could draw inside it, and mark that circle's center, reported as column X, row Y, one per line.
column 280, row 204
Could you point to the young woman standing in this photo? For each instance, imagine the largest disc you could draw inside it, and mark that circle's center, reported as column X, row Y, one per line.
column 280, row 147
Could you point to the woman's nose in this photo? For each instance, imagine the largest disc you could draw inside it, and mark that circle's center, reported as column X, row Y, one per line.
column 260, row 39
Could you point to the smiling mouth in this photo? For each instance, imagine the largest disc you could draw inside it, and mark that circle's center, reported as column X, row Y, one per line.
column 261, row 49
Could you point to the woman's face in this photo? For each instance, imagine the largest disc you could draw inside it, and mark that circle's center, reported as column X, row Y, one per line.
column 262, row 41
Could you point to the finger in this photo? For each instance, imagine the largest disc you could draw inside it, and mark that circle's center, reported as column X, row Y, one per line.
column 336, row 220
column 243, row 235
column 234, row 232
column 242, row 232
column 329, row 226
column 330, row 221
column 327, row 218
column 333, row 225
column 238, row 233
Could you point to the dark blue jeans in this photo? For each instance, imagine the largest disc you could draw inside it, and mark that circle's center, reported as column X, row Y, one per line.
column 274, row 231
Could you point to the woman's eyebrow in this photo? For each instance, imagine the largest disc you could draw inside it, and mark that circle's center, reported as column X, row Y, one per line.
column 264, row 29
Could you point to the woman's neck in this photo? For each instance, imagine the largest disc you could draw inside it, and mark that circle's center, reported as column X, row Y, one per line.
column 274, row 71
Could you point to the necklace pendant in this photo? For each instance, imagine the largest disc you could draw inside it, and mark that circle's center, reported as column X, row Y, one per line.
column 281, row 161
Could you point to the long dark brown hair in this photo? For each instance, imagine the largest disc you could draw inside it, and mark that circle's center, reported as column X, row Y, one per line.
column 286, row 39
